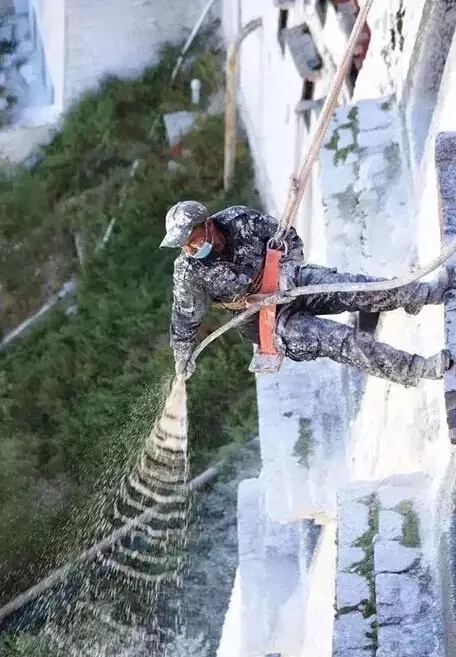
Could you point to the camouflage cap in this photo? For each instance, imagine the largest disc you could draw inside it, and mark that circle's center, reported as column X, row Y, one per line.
column 181, row 219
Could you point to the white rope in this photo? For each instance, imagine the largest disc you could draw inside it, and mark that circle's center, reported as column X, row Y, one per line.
column 331, row 288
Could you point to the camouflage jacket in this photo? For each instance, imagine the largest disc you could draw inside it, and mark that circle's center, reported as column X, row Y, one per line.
column 228, row 276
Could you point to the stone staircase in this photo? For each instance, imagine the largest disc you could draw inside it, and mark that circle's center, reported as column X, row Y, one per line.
column 386, row 596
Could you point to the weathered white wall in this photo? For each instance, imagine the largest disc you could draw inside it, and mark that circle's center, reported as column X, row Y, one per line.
column 395, row 27
column 270, row 88
column 119, row 37
column 50, row 21
column 85, row 40
column 412, row 422
column 381, row 217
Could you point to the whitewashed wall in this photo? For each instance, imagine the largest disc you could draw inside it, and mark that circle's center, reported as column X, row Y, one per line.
column 395, row 26
column 269, row 90
column 119, row 37
column 50, row 26
column 393, row 222
column 84, row 39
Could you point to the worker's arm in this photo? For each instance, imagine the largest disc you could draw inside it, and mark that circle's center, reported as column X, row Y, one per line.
column 190, row 303
column 293, row 257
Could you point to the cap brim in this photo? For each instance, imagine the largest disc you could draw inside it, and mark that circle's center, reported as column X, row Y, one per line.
column 175, row 242
column 169, row 243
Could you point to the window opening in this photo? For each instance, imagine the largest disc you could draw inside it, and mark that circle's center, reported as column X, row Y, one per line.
column 283, row 22
column 322, row 10
column 308, row 90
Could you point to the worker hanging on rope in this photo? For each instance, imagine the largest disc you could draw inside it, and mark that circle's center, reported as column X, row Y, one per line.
column 222, row 261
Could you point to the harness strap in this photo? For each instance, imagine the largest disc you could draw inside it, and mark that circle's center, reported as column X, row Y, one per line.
column 267, row 314
column 266, row 282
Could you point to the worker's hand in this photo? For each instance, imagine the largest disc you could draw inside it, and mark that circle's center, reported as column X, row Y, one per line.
column 185, row 368
column 252, row 299
column 286, row 282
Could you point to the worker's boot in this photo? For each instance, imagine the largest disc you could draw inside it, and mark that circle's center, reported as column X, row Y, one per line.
column 435, row 366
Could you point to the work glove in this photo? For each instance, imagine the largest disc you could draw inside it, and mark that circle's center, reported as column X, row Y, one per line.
column 184, row 367
column 287, row 277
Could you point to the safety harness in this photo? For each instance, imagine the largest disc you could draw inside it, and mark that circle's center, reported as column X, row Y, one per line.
column 266, row 357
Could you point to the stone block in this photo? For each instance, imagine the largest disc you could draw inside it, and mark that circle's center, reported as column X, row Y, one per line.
column 445, row 160
column 377, row 112
column 390, row 525
column 397, row 597
column 353, row 522
column 335, row 184
column 352, row 631
column 403, row 487
column 392, row 557
column 351, row 590
column 375, row 139
column 24, row 50
column 372, row 165
column 178, row 124
column 270, row 577
column 347, row 556
column 346, row 138
column 389, row 641
column 415, row 640
column 304, row 469
column 6, row 31
column 22, row 27
column 354, row 653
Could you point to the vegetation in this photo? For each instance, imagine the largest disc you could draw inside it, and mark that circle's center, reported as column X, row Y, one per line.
column 410, row 524
column 303, row 449
column 78, row 393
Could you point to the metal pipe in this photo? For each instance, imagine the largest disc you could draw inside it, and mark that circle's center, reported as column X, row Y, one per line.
column 189, row 41
column 231, row 78
column 62, row 572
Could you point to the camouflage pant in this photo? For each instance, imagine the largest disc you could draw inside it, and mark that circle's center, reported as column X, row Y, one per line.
column 305, row 336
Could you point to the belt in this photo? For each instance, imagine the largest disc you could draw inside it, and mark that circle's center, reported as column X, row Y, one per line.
column 240, row 303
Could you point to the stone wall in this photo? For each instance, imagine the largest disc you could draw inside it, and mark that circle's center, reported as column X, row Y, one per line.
column 387, row 601
column 396, row 27
column 270, row 90
column 358, row 453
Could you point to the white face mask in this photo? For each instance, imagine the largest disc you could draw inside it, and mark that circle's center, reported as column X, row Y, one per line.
column 204, row 249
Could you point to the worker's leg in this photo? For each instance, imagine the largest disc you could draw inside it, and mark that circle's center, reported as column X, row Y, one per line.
column 305, row 337
column 411, row 297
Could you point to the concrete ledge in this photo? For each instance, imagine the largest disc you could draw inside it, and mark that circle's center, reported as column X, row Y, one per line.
column 270, row 577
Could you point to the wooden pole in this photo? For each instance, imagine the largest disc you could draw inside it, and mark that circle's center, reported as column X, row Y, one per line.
column 231, row 80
